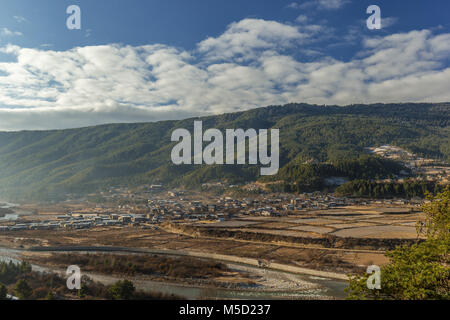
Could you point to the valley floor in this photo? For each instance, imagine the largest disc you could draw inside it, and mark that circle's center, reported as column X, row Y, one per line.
column 289, row 256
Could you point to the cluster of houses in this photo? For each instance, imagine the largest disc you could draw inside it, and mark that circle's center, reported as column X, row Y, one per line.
column 176, row 207
column 228, row 207
column 428, row 169
column 81, row 221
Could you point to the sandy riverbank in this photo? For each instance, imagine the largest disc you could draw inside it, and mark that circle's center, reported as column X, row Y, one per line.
column 265, row 284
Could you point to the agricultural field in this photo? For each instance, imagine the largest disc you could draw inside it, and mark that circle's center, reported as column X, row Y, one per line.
column 350, row 222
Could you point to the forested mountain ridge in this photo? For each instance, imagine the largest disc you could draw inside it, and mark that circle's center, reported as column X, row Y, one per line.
column 40, row 164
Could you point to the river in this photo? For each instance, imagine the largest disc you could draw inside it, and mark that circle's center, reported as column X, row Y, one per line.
column 322, row 288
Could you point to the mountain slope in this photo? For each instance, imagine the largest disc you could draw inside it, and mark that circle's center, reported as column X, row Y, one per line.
column 39, row 164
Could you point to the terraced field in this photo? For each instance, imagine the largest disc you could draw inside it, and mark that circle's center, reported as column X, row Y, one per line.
column 351, row 222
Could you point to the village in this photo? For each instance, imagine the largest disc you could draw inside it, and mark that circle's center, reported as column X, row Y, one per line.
column 153, row 206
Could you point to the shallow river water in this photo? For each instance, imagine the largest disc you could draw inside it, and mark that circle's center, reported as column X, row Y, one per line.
column 329, row 289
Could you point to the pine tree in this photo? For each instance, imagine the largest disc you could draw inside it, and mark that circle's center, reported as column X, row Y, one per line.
column 420, row 271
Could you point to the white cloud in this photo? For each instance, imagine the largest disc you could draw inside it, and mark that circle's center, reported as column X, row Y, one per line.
column 243, row 38
column 8, row 33
column 319, row 4
column 293, row 5
column 332, row 4
column 20, row 19
column 356, row 32
column 252, row 64
column 302, row 19
column 387, row 22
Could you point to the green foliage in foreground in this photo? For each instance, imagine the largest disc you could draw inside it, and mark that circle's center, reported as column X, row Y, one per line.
column 10, row 271
column 30, row 285
column 23, row 289
column 122, row 290
column 3, row 292
column 418, row 272
column 414, row 273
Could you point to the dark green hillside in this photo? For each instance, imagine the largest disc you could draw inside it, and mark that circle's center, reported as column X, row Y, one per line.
column 307, row 177
column 372, row 189
column 42, row 164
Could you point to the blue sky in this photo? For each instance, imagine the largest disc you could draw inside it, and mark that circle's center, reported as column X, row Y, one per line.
column 184, row 23
column 168, row 59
